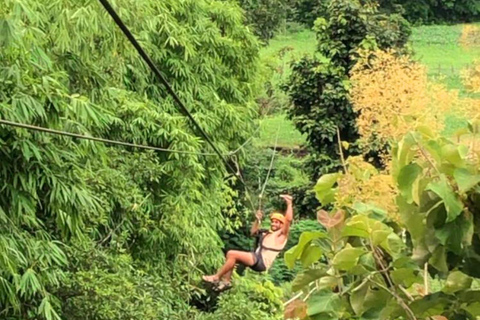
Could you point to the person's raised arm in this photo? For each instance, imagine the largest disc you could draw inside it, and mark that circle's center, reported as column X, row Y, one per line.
column 288, row 213
column 256, row 224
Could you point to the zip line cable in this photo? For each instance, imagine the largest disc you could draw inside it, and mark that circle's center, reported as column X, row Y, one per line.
column 108, row 141
column 81, row 136
column 156, row 71
column 128, row 144
column 260, row 197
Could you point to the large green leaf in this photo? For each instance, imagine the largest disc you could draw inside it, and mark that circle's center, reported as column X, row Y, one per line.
column 379, row 233
column 393, row 245
column 357, row 226
column 434, row 149
column 457, row 281
column 413, row 219
column 323, row 301
column 465, row 179
column 403, row 153
column 455, row 234
column 453, row 205
column 323, row 189
column 473, row 309
column 310, row 254
column 347, row 258
column 305, row 277
column 366, row 298
column 431, row 305
column 406, row 179
column 357, row 299
column 451, row 153
column 369, row 209
column 406, row 277
column 296, row 252
column 438, row 260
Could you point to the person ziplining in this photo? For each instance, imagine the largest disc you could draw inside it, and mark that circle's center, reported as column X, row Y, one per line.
column 269, row 244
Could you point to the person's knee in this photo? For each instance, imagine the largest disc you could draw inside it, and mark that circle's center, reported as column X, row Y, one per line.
column 230, row 254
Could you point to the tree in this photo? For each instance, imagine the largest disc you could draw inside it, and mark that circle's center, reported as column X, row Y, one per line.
column 307, row 11
column 319, row 86
column 265, row 16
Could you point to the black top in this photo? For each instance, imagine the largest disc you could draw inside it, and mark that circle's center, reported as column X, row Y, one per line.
column 260, row 235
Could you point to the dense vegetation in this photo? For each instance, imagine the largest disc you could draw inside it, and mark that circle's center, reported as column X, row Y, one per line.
column 426, row 11
column 401, row 243
column 82, row 224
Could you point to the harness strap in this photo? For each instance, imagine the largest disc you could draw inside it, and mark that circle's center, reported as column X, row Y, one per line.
column 260, row 245
column 270, row 249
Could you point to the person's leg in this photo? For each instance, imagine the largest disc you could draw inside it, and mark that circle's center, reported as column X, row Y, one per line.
column 233, row 257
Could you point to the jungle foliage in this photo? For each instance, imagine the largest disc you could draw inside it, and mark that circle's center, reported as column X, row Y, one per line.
column 81, row 223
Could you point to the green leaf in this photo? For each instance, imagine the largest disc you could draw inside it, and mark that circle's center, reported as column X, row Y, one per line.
column 327, row 282
column 306, row 277
column 451, row 153
column 323, row 302
column 403, row 153
column 473, row 309
column 465, row 180
column 455, row 234
column 426, row 132
column 457, row 281
column 371, row 210
column 393, row 245
column 406, row 277
column 406, row 179
column 367, row 299
column 435, row 150
column 310, row 255
column 379, row 236
column 323, row 189
column 296, row 252
column 347, row 258
column 453, row 205
column 438, row 260
column 431, row 305
column 413, row 220
column 365, row 227
column 357, row 299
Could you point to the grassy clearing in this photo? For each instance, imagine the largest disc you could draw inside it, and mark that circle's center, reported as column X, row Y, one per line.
column 288, row 136
column 301, row 43
column 438, row 48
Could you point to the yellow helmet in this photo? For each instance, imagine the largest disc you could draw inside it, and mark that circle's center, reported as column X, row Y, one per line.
column 277, row 216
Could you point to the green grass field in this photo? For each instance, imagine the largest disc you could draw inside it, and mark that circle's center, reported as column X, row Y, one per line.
column 437, row 47
column 302, row 42
column 288, row 135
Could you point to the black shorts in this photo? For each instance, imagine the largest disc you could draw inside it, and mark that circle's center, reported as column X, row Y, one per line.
column 258, row 265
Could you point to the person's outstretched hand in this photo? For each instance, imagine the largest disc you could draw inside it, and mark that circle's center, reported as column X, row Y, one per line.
column 288, row 198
